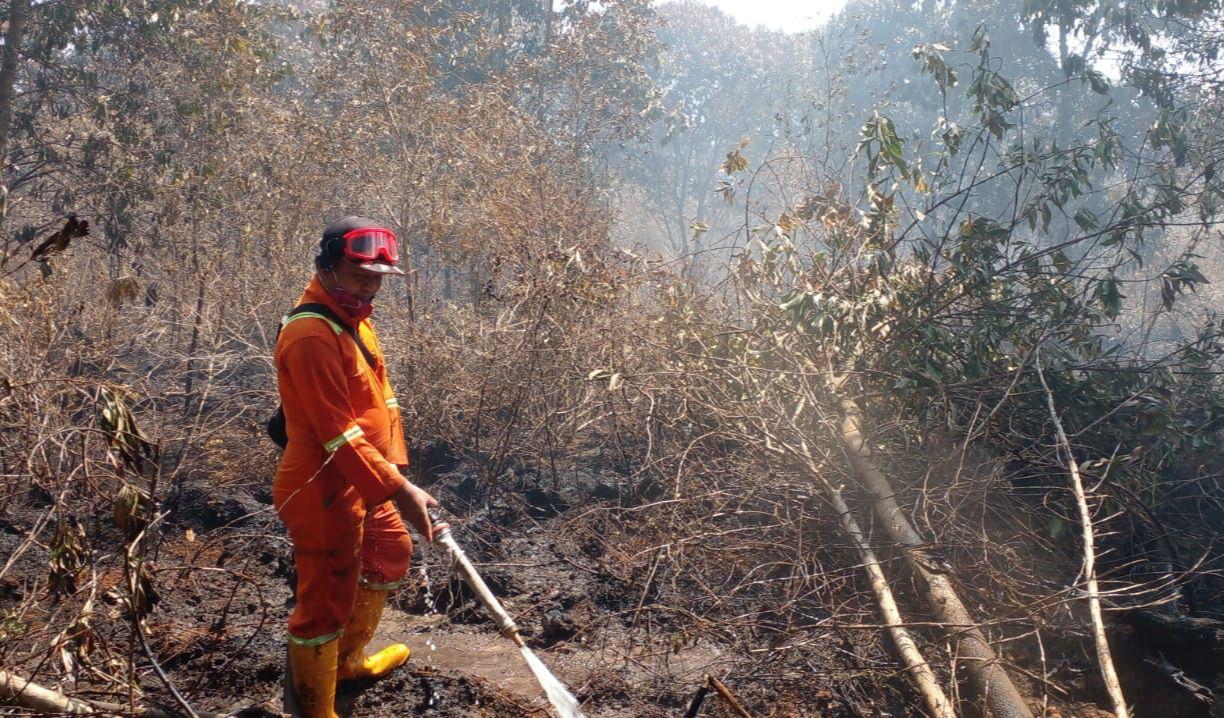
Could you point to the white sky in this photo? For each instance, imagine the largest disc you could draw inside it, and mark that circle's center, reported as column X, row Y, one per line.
column 788, row 15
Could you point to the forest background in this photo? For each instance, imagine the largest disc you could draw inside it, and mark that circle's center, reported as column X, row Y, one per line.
column 666, row 273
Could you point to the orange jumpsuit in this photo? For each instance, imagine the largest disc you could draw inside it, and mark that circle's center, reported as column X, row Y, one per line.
column 342, row 463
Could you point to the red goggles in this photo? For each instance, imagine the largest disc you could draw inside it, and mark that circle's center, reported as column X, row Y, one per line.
column 368, row 244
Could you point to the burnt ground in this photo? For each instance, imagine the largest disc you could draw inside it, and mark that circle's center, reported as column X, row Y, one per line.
column 222, row 571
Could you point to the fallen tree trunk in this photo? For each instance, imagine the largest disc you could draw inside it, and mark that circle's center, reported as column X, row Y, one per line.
column 28, row 694
column 986, row 674
column 916, row 665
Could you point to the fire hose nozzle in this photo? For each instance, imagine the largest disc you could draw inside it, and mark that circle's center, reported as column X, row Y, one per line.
column 435, row 518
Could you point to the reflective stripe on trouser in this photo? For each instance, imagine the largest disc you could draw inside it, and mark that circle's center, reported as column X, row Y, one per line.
column 377, row 554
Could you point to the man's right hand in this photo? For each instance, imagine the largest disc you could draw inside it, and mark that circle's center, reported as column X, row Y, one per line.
column 413, row 504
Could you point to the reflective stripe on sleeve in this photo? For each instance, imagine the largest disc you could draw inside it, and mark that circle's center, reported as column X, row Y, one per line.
column 392, row 403
column 351, row 433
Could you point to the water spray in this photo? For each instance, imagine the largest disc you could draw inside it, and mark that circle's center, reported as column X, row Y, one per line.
column 558, row 695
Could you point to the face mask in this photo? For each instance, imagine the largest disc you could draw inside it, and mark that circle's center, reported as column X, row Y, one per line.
column 356, row 308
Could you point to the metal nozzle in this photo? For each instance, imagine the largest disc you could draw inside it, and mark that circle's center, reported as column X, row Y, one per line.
column 435, row 517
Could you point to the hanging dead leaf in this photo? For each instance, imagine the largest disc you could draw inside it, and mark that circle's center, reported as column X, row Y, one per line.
column 131, row 510
column 806, row 209
column 787, row 223
column 122, row 290
column 698, row 228
column 735, row 162
column 68, row 554
column 75, row 642
column 142, row 593
column 128, row 447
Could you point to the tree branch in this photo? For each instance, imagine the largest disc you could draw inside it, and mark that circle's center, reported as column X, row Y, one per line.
column 1108, row 672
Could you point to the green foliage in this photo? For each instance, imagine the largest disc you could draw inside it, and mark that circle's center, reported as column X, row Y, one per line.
column 11, row 625
column 933, row 63
column 1008, row 236
column 1182, row 275
column 993, row 96
column 1169, row 132
column 881, row 146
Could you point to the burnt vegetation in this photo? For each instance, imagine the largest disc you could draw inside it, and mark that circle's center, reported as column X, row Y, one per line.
column 873, row 370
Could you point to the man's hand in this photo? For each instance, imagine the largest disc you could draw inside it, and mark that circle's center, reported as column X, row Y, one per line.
column 413, row 504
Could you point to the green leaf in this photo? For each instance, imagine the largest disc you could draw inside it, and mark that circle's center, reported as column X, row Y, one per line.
column 933, row 64
column 1182, row 275
column 1110, row 296
column 1097, row 82
column 1087, row 220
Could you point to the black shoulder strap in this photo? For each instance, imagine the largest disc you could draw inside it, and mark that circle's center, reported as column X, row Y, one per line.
column 325, row 311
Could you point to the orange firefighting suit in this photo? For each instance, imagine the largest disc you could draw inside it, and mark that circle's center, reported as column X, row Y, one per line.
column 342, row 462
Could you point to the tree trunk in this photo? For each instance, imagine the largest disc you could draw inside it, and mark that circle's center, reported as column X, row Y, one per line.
column 548, row 24
column 197, row 321
column 31, row 696
column 1065, row 99
column 18, row 12
column 916, row 665
column 986, row 674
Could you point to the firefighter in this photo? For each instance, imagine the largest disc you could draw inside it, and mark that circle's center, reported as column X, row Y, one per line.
column 340, row 487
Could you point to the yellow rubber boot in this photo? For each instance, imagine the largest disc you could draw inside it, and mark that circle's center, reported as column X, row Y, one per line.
column 314, row 678
column 354, row 664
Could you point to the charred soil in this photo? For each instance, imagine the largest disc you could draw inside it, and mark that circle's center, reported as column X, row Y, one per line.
column 581, row 564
